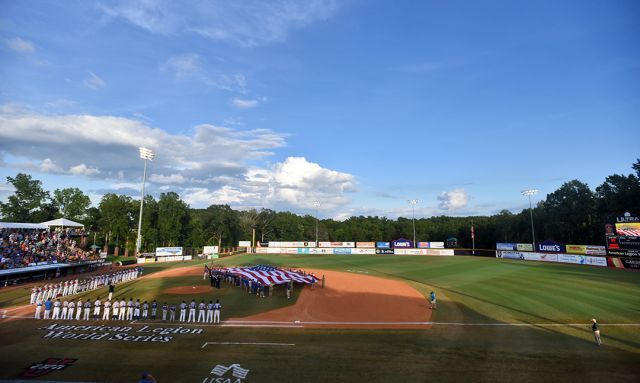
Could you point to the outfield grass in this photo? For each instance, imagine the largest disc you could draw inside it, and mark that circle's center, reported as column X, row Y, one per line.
column 471, row 291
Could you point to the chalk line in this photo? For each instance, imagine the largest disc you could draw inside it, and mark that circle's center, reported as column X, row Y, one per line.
column 247, row 344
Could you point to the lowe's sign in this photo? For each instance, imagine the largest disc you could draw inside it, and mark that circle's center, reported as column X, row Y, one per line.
column 550, row 247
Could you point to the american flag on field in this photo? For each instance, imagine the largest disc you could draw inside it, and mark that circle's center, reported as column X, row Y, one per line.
column 271, row 275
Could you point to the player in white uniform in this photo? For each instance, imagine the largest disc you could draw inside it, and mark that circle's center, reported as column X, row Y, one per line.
column 114, row 309
column 87, row 310
column 96, row 311
column 38, row 308
column 107, row 307
column 56, row 309
column 123, row 309
column 72, row 307
column 210, row 312
column 201, row 311
column 79, row 308
column 216, row 311
column 183, row 311
column 34, row 293
column 65, row 310
column 192, row 311
column 145, row 310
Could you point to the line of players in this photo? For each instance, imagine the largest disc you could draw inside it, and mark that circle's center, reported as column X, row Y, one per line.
column 123, row 310
column 71, row 287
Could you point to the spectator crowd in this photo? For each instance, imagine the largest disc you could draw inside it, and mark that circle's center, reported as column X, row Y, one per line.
column 31, row 247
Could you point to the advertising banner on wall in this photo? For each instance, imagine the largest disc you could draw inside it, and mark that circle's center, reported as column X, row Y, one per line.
column 507, row 254
column 586, row 249
column 628, row 229
column 506, row 246
column 168, row 251
column 549, row 257
column 410, row 251
column 623, row 246
column 384, row 251
column 524, row 246
column 447, row 252
column 430, row 245
column 366, row 244
column 597, row 261
column 292, row 244
column 336, row 244
column 367, row 251
column 531, row 256
column 210, row 250
column 401, row 243
column 570, row 258
column 244, row 243
column 423, row 245
column 550, row 247
column 383, row 245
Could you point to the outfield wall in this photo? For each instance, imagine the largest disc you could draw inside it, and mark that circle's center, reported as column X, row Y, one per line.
column 558, row 258
column 350, row 250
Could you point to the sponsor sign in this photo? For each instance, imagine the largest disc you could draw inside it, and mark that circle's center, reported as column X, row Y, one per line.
column 244, row 243
column 210, row 250
column 321, row 250
column 342, row 250
column 627, row 218
column 586, row 249
column 448, row 252
column 291, row 244
column 630, row 263
column 430, row 245
column 623, row 246
column 549, row 257
column 410, row 251
column 550, row 247
column 383, row 245
column 506, row 246
column 508, row 254
column 531, row 256
column 363, row 251
column 402, row 243
column 168, row 251
column 570, row 258
column 628, row 229
column 384, row 251
column 336, row 244
column 524, row 246
column 597, row 261
column 366, row 244
column 46, row 367
column 423, row 245
column 227, row 374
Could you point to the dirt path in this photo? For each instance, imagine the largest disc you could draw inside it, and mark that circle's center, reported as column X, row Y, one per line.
column 373, row 302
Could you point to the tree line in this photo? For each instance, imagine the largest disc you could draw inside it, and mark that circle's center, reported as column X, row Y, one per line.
column 571, row 214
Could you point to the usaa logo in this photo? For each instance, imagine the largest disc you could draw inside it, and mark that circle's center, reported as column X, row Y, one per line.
column 220, row 374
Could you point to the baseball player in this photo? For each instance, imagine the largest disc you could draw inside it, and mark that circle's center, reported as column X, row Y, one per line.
column 87, row 310
column 56, row 309
column 164, row 311
column 201, row 312
column 48, row 305
column 107, row 307
column 172, row 311
column 65, row 310
column 96, row 310
column 596, row 331
column 145, row 310
column 38, row 308
column 154, row 308
column 34, row 293
column 130, row 309
column 210, row 312
column 192, row 311
column 136, row 310
column 216, row 311
column 123, row 309
column 79, row 308
column 183, row 311
column 114, row 309
column 72, row 308
column 432, row 295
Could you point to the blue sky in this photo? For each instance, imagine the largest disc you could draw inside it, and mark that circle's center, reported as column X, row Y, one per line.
column 360, row 105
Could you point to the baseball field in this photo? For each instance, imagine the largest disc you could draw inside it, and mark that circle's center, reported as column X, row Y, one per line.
column 496, row 320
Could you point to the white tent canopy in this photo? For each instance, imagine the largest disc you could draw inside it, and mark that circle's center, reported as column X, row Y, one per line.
column 18, row 225
column 62, row 222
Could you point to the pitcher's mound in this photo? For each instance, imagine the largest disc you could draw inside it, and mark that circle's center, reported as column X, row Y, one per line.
column 186, row 290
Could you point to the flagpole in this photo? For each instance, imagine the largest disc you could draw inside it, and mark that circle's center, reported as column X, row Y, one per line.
column 473, row 238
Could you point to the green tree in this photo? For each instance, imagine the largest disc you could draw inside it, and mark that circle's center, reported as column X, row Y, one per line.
column 568, row 213
column 71, row 203
column 28, row 202
column 116, row 218
column 173, row 219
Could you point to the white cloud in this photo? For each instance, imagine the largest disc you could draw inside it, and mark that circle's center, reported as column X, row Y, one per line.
column 210, row 165
column 189, row 67
column 83, row 170
column 48, row 166
column 170, row 179
column 20, row 45
column 94, row 81
column 248, row 103
column 246, row 23
column 453, row 199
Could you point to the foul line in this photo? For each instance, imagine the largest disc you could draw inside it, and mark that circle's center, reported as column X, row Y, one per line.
column 247, row 344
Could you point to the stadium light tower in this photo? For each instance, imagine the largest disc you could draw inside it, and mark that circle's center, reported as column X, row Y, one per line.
column 316, row 204
column 413, row 203
column 529, row 193
column 145, row 154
